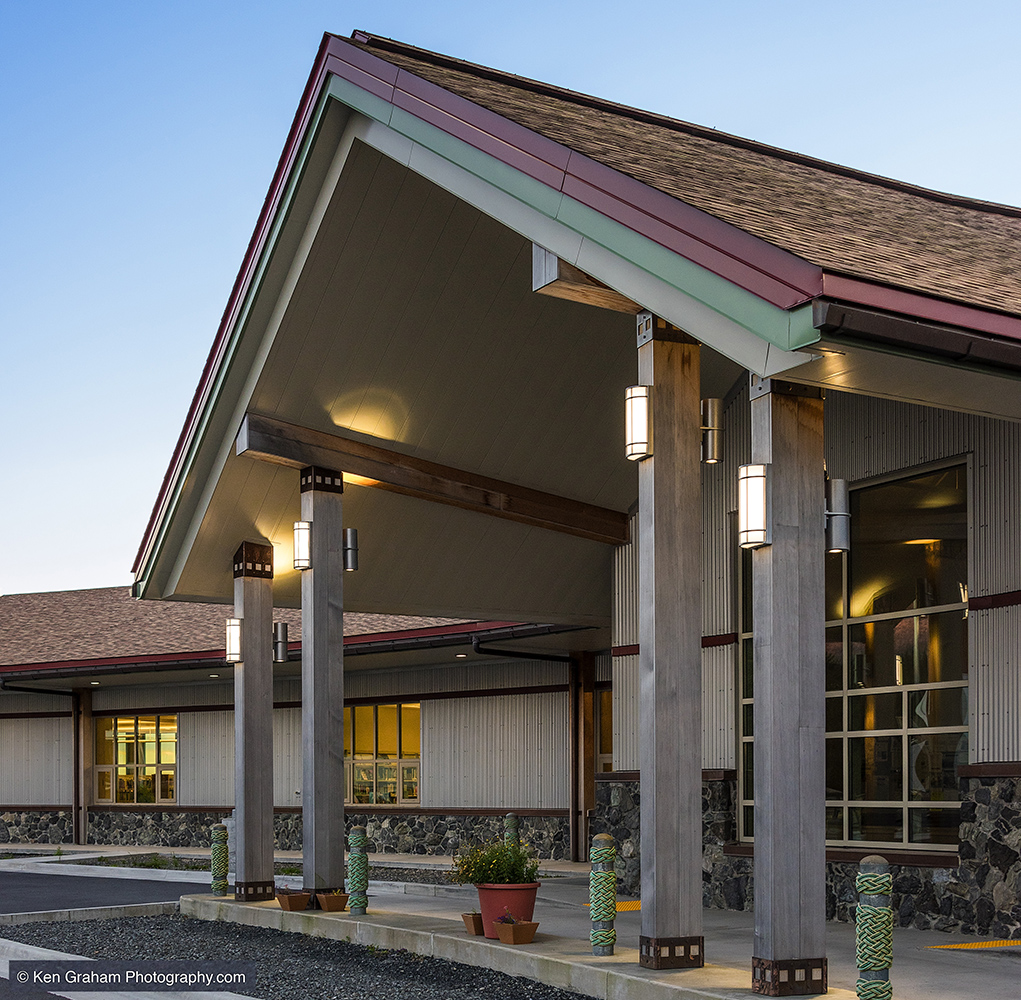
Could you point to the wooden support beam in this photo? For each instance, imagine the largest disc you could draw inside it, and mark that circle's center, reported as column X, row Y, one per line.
column 286, row 444
column 553, row 276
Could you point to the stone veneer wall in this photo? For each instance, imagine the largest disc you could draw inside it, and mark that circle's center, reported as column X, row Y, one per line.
column 36, row 827
column 982, row 895
column 436, row 834
column 168, row 828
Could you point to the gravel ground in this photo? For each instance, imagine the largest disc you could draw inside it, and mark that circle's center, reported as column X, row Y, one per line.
column 289, row 965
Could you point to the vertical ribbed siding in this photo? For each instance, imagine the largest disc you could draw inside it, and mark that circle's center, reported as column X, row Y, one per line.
column 500, row 752
column 604, row 667
column 43, row 752
column 130, row 699
column 868, row 437
column 477, row 675
column 205, row 771
column 625, row 713
column 719, row 717
column 625, row 589
column 287, row 762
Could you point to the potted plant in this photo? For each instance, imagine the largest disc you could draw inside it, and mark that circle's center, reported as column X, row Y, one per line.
column 504, row 875
column 293, row 899
column 473, row 922
column 332, row 902
column 514, row 931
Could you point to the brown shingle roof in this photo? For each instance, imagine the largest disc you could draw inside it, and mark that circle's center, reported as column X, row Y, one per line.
column 108, row 622
column 845, row 221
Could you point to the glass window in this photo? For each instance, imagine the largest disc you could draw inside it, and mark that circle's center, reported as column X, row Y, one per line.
column 135, row 759
column 378, row 737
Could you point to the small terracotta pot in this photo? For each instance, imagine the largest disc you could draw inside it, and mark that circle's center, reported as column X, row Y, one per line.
column 473, row 923
column 332, row 902
column 520, row 933
column 294, row 900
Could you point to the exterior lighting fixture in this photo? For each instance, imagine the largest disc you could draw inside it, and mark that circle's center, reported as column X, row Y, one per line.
column 461, row 656
column 279, row 642
column 838, row 516
column 712, row 431
column 94, row 683
column 302, row 544
column 350, row 550
column 233, row 651
column 214, row 675
column 753, row 507
column 637, row 423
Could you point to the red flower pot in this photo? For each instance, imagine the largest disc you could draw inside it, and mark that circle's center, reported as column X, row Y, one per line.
column 495, row 900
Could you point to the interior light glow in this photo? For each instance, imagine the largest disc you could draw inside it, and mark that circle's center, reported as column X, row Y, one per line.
column 753, row 513
column 637, row 425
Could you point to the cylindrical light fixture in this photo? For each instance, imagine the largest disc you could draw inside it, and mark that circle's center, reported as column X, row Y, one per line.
column 350, row 549
column 233, row 646
column 838, row 516
column 637, row 423
column 712, row 431
column 753, row 513
column 279, row 642
column 302, row 544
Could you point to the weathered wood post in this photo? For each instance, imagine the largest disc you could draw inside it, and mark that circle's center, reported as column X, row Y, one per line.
column 511, row 833
column 873, row 921
column 218, row 860
column 358, row 871
column 603, row 894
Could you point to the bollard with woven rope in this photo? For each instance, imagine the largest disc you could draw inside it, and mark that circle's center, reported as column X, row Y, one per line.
column 603, row 894
column 358, row 871
column 874, row 929
column 511, row 833
column 218, row 860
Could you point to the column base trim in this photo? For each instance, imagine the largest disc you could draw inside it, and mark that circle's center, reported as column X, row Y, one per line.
column 671, row 952
column 253, row 892
column 790, row 977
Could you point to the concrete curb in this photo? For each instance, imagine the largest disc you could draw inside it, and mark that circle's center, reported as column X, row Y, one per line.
column 90, row 913
column 566, row 963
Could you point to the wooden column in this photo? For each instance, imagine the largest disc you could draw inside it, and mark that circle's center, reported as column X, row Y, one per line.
column 583, row 750
column 670, row 670
column 253, row 722
column 322, row 682
column 84, row 774
column 789, row 682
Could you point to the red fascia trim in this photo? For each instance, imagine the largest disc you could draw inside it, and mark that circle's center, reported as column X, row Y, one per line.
column 918, row 306
column 414, row 633
column 708, row 641
column 111, row 661
column 1007, row 600
column 625, row 650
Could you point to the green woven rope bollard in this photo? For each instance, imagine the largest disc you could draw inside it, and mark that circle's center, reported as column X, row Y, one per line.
column 358, row 871
column 511, row 834
column 874, row 929
column 602, row 888
column 218, row 860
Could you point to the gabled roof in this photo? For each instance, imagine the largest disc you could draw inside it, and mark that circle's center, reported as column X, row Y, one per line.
column 845, row 221
column 70, row 626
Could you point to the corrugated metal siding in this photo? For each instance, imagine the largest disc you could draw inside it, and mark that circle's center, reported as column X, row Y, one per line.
column 625, row 589
column 500, row 752
column 868, row 437
column 129, row 699
column 453, row 677
column 604, row 667
column 205, row 773
column 16, row 701
column 37, row 756
column 287, row 763
column 625, row 713
column 719, row 716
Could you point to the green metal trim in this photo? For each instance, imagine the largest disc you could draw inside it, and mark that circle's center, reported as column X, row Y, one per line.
column 359, row 100
column 801, row 331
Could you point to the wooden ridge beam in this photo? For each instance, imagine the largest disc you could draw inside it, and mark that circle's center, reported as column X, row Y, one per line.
column 271, row 440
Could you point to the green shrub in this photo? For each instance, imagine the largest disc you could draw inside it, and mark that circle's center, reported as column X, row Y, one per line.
column 495, row 862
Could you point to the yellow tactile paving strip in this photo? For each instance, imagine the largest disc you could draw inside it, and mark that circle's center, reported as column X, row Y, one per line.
column 971, row 944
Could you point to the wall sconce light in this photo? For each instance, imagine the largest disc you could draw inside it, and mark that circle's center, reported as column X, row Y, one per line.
column 838, row 516
column 279, row 642
column 233, row 654
column 712, row 431
column 302, row 544
column 753, row 506
column 637, row 423
column 350, row 549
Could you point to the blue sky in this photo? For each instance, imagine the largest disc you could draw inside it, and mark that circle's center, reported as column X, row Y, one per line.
column 137, row 141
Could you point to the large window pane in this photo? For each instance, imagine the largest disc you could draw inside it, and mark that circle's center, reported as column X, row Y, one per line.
column 835, row 769
column 748, row 719
column 409, row 782
column 386, row 734
column 126, row 741
column 934, row 826
column 104, row 741
column 747, row 686
column 922, row 650
column 411, row 731
column 875, row 824
column 125, row 784
column 834, row 714
column 834, row 823
column 168, row 789
column 362, row 783
column 386, row 783
column 834, row 659
column 147, row 746
column 875, row 768
column 938, row 708
column 104, row 786
column 749, row 769
column 834, row 586
column 365, row 732
column 875, row 711
column 168, row 739
column 146, row 790
column 932, row 765
column 909, row 543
